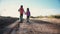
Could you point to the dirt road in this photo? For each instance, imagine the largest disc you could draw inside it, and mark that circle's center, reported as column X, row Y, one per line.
column 35, row 27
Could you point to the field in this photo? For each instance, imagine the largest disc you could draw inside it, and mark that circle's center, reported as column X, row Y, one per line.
column 9, row 25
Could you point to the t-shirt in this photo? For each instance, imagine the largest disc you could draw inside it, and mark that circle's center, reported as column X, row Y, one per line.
column 28, row 13
column 21, row 10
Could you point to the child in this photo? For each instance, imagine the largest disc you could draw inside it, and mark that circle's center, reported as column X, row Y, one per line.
column 28, row 14
column 21, row 10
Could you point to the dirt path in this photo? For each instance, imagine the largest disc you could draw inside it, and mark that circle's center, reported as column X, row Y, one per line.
column 35, row 27
column 40, row 28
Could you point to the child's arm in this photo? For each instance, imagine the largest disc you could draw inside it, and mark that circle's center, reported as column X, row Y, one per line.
column 19, row 9
column 30, row 13
column 24, row 12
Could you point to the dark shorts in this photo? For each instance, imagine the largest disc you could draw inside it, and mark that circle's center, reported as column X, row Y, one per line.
column 27, row 17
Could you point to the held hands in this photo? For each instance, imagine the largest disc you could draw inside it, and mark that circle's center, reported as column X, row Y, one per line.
column 24, row 12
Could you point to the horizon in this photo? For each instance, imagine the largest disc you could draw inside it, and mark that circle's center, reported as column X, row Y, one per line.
column 37, row 7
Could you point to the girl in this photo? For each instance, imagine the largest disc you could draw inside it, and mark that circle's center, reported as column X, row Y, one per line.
column 28, row 14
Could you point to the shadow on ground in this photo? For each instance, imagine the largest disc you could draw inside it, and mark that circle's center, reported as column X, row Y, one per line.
column 5, row 21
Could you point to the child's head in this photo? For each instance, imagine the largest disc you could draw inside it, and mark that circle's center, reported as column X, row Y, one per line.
column 27, row 9
column 21, row 6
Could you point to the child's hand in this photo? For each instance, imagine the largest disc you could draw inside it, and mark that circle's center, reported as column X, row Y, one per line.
column 18, row 10
column 25, row 13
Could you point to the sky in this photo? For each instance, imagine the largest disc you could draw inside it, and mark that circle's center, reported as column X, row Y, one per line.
column 37, row 7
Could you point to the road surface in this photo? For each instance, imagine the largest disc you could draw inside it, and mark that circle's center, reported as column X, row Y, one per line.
column 34, row 27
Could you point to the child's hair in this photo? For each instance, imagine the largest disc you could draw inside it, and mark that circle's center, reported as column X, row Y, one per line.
column 27, row 9
column 21, row 6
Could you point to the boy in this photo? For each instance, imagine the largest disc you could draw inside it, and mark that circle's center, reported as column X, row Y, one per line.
column 21, row 10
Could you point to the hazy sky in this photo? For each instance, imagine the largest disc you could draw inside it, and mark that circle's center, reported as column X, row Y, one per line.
column 37, row 7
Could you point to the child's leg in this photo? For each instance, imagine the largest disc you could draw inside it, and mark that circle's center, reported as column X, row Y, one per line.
column 21, row 17
column 27, row 18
